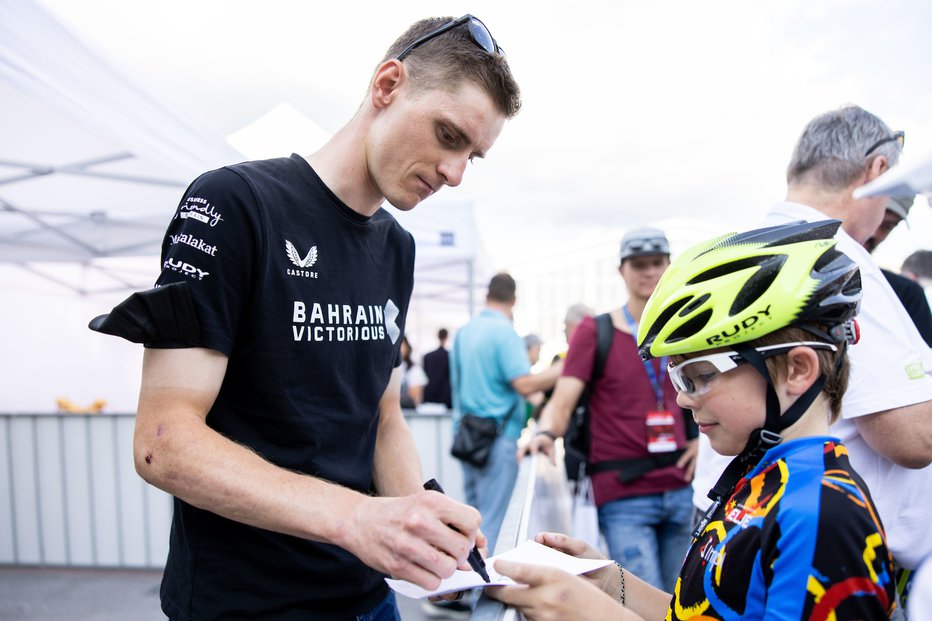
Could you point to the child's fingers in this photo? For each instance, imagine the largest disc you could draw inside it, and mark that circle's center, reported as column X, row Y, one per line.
column 566, row 544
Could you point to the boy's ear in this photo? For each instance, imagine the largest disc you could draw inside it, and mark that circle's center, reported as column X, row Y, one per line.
column 802, row 369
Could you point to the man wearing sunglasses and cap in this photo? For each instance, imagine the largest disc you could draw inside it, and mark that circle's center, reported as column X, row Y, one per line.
column 269, row 405
column 641, row 445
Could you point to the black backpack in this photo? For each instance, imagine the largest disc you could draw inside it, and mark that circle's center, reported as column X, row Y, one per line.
column 576, row 437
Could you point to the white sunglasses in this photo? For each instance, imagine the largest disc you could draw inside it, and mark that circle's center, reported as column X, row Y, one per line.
column 695, row 376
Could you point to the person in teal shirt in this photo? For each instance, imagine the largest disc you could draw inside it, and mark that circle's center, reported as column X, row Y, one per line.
column 491, row 375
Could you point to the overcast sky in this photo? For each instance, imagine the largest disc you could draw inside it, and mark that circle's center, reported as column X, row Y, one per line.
column 633, row 111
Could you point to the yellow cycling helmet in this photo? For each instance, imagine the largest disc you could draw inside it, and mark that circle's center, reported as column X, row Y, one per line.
column 741, row 286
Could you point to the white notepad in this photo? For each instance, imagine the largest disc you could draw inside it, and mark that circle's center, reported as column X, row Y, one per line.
column 529, row 552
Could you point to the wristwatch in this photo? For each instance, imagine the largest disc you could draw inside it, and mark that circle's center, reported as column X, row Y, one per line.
column 548, row 433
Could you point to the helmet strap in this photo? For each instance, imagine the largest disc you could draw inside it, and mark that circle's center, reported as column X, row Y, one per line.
column 776, row 422
column 772, row 421
column 762, row 439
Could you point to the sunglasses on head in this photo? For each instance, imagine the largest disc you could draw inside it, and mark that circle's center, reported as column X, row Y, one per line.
column 477, row 30
column 695, row 376
column 899, row 137
column 642, row 245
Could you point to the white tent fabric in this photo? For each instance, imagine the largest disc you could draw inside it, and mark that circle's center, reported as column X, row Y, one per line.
column 448, row 262
column 91, row 170
column 42, row 58
column 91, row 165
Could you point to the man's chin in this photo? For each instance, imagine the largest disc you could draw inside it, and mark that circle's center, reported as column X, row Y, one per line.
column 406, row 203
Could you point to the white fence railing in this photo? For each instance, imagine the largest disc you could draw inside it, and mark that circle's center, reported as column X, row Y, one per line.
column 70, row 495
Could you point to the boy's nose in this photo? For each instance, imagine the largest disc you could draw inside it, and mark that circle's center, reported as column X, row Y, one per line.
column 685, row 401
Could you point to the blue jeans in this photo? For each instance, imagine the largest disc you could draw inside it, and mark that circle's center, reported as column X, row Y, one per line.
column 489, row 488
column 386, row 611
column 649, row 535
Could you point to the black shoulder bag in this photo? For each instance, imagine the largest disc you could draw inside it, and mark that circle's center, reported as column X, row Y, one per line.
column 475, row 436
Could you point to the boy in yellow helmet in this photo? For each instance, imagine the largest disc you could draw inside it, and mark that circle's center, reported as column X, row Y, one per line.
column 757, row 326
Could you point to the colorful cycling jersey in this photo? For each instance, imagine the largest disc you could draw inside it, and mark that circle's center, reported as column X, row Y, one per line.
column 798, row 539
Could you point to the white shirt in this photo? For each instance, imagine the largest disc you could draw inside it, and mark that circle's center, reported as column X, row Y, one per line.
column 920, row 593
column 890, row 368
column 415, row 376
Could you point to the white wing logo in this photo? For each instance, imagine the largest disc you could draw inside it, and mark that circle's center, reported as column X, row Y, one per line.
column 307, row 261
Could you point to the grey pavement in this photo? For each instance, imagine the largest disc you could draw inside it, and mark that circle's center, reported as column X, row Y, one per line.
column 43, row 594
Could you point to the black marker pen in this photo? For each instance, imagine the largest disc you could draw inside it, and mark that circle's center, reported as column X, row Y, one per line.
column 475, row 559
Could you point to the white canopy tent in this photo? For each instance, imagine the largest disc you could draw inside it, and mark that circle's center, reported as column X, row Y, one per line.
column 91, row 169
column 91, row 165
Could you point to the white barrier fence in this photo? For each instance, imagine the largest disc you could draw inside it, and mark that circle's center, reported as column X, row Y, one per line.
column 70, row 495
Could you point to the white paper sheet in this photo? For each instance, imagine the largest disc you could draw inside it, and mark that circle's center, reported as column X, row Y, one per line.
column 529, row 552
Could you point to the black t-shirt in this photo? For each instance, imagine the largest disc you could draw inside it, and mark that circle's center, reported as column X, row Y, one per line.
column 308, row 300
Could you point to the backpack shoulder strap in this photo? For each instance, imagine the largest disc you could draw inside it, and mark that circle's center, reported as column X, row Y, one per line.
column 604, row 332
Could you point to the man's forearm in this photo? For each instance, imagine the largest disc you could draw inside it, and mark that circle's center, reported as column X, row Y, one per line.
column 396, row 465
column 902, row 435
column 556, row 414
column 187, row 459
column 533, row 382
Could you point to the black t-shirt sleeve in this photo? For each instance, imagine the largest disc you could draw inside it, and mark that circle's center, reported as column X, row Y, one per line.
column 211, row 244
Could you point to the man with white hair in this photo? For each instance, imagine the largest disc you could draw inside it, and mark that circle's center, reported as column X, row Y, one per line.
column 574, row 316
column 888, row 405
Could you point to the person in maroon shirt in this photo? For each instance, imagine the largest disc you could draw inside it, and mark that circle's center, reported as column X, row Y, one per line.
column 642, row 449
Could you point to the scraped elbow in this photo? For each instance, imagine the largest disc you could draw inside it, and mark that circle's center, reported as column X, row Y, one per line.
column 152, row 459
column 146, row 461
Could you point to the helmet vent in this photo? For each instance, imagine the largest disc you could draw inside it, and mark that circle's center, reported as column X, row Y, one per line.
column 734, row 266
column 768, row 268
column 696, row 303
column 823, row 263
column 664, row 317
column 691, row 327
column 757, row 285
